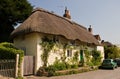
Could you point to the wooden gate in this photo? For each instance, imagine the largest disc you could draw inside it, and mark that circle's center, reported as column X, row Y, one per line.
column 28, row 65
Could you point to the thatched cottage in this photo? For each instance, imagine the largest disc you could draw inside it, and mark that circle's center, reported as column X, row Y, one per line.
column 43, row 28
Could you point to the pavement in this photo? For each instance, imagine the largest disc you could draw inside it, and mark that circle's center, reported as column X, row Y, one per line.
column 1, row 77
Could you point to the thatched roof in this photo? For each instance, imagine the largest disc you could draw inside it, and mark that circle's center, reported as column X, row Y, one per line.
column 107, row 43
column 46, row 22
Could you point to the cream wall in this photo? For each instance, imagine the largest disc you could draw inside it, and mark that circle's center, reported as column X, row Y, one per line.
column 27, row 43
column 101, row 49
column 30, row 44
column 52, row 57
column 39, row 62
column 58, row 54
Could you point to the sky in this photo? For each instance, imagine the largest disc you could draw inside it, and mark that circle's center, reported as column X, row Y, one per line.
column 103, row 15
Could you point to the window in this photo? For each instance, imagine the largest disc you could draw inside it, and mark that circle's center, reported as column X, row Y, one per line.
column 69, row 53
column 24, row 49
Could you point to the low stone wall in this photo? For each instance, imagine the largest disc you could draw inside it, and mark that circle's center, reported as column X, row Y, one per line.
column 74, row 71
column 68, row 71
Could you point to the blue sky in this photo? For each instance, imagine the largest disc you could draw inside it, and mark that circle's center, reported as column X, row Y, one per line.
column 103, row 15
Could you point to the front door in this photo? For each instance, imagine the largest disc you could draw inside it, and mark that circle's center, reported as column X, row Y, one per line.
column 82, row 57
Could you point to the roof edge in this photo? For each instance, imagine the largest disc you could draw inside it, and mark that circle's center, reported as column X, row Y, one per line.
column 69, row 20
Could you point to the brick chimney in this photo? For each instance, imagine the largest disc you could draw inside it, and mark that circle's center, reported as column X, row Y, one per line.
column 67, row 13
column 90, row 29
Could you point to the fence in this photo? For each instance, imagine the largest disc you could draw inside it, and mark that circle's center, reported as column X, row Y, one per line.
column 7, row 68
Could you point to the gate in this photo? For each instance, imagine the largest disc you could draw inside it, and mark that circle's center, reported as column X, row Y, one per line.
column 28, row 65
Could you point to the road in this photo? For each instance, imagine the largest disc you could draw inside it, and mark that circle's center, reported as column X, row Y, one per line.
column 98, row 74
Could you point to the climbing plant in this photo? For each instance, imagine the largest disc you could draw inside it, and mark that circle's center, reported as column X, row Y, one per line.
column 47, row 45
column 96, row 59
column 63, row 58
column 88, row 57
column 75, row 57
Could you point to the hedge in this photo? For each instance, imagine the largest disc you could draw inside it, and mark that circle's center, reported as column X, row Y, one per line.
column 9, row 51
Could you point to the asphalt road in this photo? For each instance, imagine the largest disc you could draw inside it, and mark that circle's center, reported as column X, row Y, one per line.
column 98, row 74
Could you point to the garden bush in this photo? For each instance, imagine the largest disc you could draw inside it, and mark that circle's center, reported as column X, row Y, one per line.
column 50, row 70
column 8, row 51
column 96, row 60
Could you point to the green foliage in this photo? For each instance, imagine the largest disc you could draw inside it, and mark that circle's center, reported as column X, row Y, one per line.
column 112, row 52
column 75, row 58
column 47, row 47
column 59, row 65
column 87, row 54
column 12, row 12
column 19, row 78
column 96, row 59
column 8, row 45
column 68, row 66
column 74, row 61
column 74, row 66
column 88, row 58
column 8, row 51
column 50, row 70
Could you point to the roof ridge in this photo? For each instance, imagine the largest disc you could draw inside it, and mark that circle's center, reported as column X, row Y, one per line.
column 69, row 20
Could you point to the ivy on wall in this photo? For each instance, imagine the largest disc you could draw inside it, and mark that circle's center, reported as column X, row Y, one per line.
column 47, row 46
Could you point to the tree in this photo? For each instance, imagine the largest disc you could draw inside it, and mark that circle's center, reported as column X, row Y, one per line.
column 112, row 52
column 12, row 12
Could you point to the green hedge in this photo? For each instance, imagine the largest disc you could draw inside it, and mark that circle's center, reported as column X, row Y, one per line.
column 8, row 51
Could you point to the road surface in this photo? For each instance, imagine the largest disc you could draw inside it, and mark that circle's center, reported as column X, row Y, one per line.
column 98, row 74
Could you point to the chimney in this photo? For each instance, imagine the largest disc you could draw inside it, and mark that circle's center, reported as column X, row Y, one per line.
column 102, row 41
column 90, row 29
column 67, row 13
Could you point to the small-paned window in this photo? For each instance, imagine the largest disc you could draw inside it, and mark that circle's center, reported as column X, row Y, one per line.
column 69, row 53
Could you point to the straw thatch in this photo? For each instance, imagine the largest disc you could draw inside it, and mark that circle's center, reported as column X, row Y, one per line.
column 46, row 22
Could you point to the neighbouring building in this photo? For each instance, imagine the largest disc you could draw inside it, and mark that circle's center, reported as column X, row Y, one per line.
column 67, row 36
column 107, row 43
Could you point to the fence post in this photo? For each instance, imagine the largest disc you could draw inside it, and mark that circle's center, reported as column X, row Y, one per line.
column 16, row 67
column 22, row 66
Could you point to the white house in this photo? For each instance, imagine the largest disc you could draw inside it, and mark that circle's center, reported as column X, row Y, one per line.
column 43, row 26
